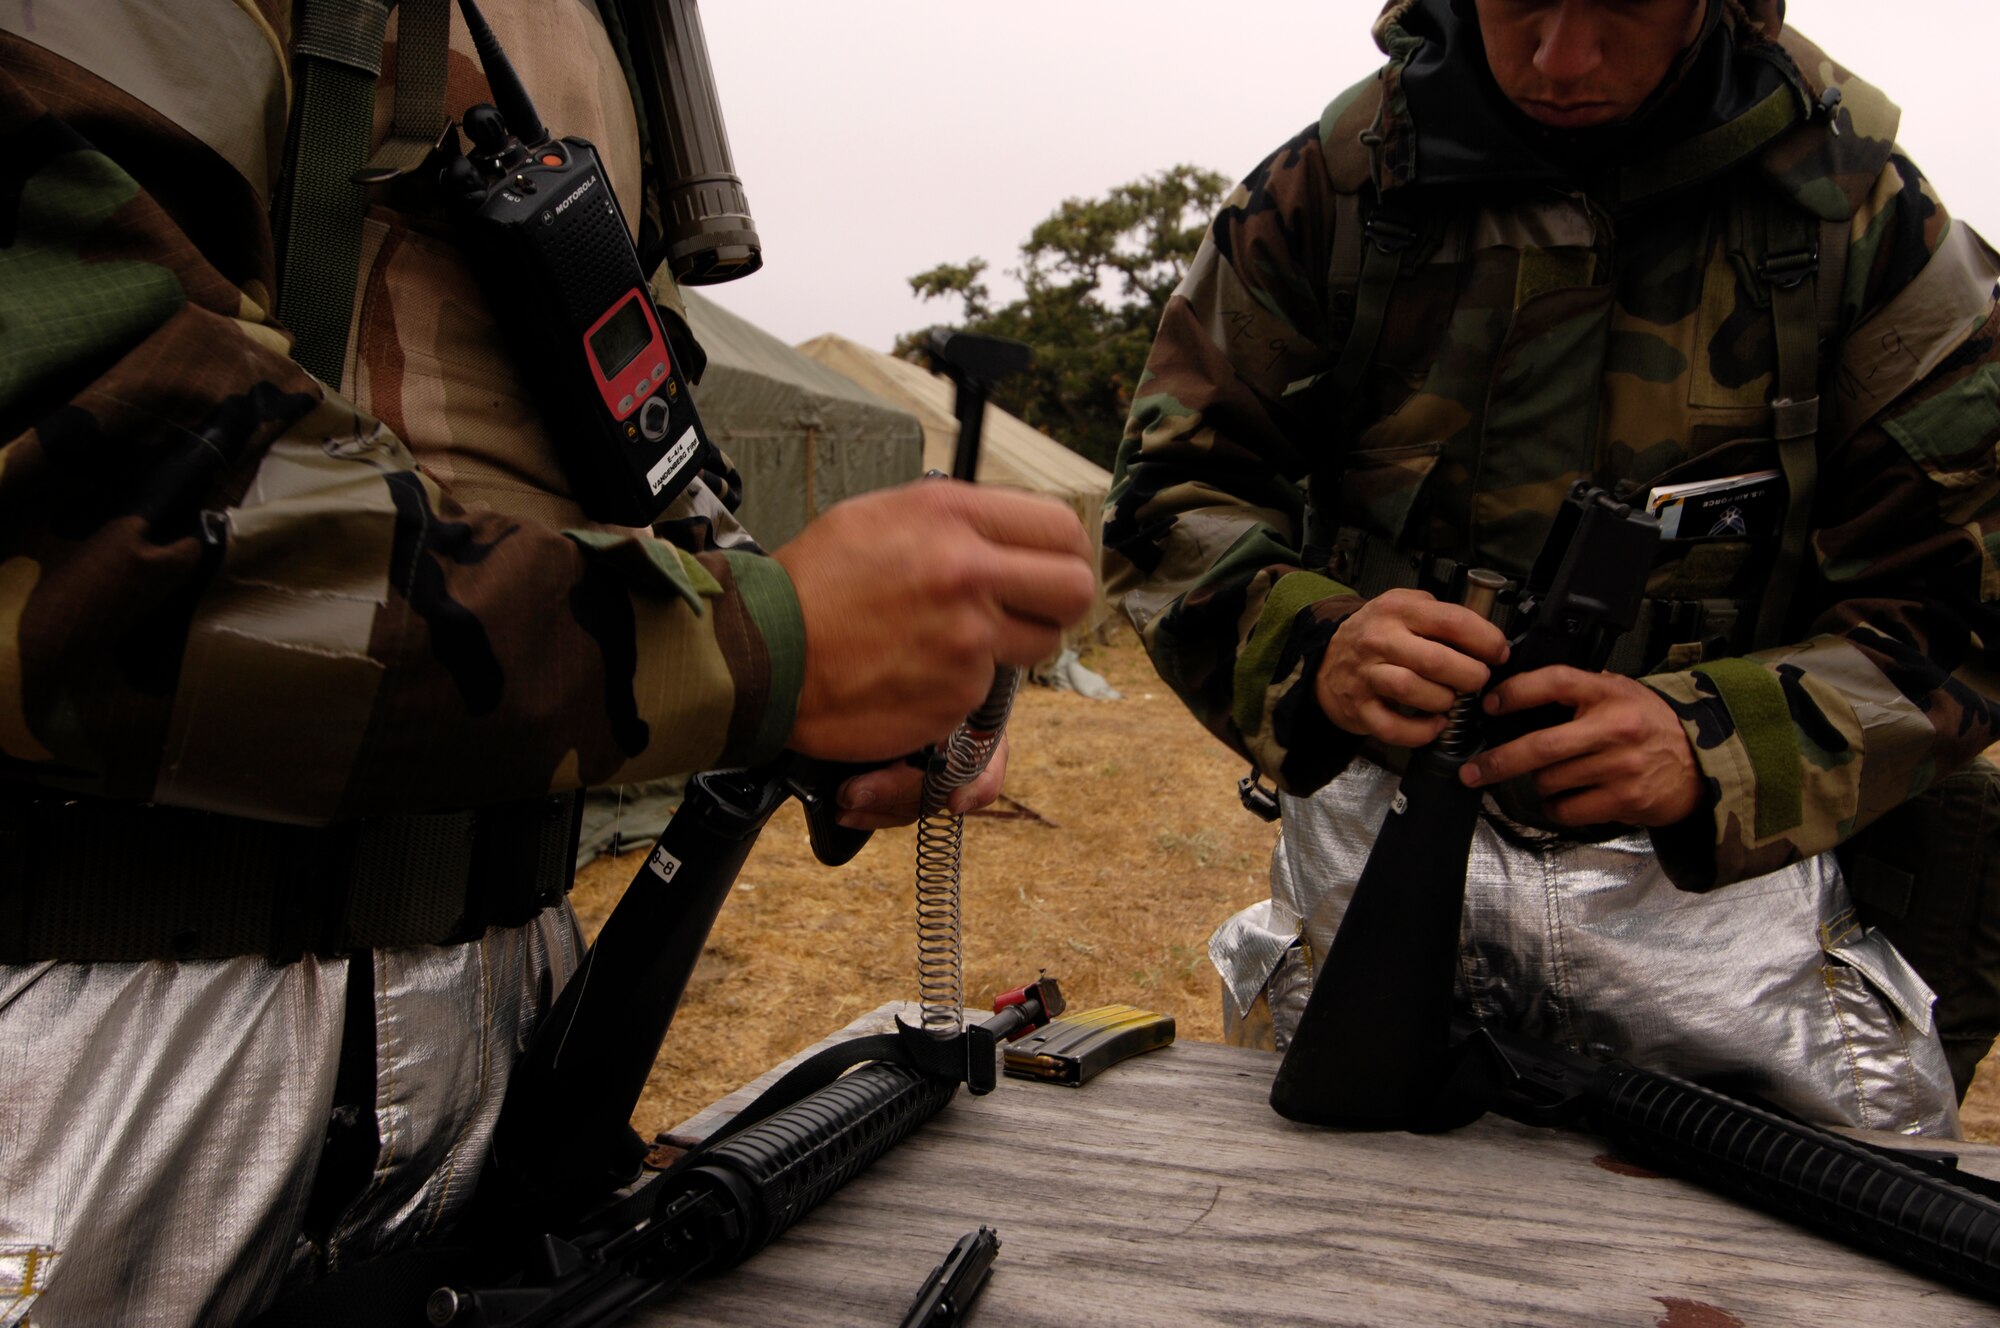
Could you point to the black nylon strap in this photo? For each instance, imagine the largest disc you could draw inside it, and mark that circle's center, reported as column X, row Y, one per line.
column 1791, row 267
column 1389, row 235
column 89, row 881
column 1367, row 259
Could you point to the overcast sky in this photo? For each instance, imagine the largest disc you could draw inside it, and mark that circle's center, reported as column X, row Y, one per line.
column 880, row 138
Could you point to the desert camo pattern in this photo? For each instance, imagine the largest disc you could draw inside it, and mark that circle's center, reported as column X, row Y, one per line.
column 225, row 587
column 1611, row 334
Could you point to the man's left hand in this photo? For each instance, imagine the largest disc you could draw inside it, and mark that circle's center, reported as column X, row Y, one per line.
column 1623, row 757
column 886, row 798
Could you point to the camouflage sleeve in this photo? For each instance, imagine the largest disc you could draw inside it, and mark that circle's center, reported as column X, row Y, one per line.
column 1895, row 686
column 223, row 587
column 1202, row 530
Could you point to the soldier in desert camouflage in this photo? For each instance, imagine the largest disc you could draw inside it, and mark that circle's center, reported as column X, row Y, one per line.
column 1639, row 244
column 264, row 639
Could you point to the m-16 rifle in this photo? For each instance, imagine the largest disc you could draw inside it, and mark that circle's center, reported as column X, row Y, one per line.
column 1378, row 1046
column 1383, row 997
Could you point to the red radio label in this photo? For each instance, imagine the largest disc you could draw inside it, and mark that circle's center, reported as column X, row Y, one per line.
column 628, row 352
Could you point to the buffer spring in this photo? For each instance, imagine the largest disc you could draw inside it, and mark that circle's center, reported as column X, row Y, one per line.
column 1484, row 589
column 940, row 840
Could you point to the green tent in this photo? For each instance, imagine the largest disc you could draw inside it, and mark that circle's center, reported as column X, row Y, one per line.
column 804, row 435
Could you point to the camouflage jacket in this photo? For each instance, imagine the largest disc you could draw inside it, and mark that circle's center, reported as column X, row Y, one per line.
column 224, row 586
column 1593, row 319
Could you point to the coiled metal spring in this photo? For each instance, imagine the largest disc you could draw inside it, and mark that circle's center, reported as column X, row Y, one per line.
column 1460, row 727
column 1483, row 590
column 940, row 845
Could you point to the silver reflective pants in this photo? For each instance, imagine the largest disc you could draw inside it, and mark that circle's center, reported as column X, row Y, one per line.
column 161, row 1123
column 1768, row 986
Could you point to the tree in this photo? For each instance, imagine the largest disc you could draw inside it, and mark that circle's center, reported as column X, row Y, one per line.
column 1095, row 277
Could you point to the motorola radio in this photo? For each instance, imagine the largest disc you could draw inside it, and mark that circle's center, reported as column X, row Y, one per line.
column 544, row 234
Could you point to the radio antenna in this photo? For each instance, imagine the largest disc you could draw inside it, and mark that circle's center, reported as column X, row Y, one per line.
column 510, row 98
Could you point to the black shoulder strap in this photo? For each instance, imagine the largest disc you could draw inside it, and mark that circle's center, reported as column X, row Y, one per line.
column 1372, row 245
column 1804, row 266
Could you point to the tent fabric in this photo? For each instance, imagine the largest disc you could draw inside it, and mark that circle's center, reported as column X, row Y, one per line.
column 1011, row 451
column 802, row 435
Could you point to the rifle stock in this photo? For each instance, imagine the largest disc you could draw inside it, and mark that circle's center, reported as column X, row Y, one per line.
column 1369, row 1050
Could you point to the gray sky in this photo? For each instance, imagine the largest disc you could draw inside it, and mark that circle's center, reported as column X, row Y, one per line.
column 879, row 138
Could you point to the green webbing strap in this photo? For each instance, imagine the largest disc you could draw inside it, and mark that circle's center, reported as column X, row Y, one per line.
column 423, row 36
column 339, row 50
column 1755, row 700
column 1711, row 152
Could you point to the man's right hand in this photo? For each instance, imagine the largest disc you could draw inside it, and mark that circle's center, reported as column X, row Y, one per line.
column 1396, row 664
column 912, row 595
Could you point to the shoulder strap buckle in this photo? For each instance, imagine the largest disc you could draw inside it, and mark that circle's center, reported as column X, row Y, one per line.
column 1391, row 235
column 1786, row 271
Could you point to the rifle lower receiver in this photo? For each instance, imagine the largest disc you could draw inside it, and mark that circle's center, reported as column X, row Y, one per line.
column 1077, row 1048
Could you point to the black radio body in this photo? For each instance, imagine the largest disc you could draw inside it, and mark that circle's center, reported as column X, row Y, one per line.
column 544, row 233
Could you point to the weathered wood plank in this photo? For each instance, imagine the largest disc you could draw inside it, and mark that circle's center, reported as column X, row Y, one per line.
column 1166, row 1191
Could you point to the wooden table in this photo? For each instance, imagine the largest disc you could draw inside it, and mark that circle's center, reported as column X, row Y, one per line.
column 1166, row 1191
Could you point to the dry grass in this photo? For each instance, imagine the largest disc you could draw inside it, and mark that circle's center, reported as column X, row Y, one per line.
column 1141, row 851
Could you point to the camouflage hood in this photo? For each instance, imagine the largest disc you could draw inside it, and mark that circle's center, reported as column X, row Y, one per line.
column 1743, row 86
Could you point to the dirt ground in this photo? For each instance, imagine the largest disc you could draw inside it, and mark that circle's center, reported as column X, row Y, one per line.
column 1118, row 848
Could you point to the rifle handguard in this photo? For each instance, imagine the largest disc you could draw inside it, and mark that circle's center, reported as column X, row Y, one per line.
column 1846, row 1189
column 779, row 1170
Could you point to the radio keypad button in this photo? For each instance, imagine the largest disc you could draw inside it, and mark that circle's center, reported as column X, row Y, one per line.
column 659, row 371
column 624, row 404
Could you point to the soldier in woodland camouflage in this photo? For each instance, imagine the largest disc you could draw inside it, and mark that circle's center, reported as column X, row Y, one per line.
column 227, row 588
column 1589, row 282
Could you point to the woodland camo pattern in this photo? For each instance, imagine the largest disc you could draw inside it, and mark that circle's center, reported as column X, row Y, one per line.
column 224, row 587
column 1616, row 335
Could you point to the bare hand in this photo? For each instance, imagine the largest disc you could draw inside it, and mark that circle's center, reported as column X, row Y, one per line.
column 1404, row 651
column 889, row 797
column 912, row 595
column 1623, row 758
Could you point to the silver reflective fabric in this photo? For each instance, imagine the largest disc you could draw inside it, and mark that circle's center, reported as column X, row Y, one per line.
column 1768, row 986
column 161, row 1123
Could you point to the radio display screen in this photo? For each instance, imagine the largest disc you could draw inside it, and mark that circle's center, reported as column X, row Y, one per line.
column 623, row 336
